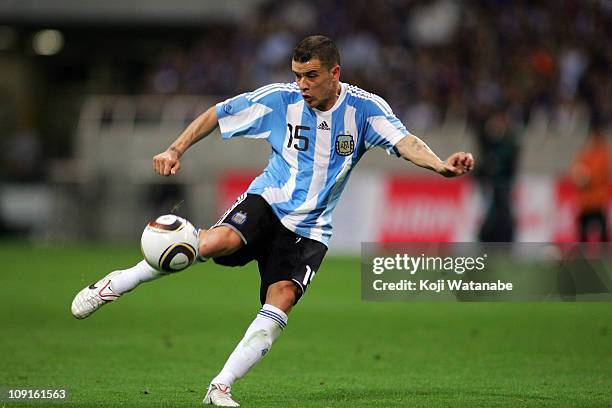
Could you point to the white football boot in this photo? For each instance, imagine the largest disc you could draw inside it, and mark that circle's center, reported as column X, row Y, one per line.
column 94, row 296
column 219, row 395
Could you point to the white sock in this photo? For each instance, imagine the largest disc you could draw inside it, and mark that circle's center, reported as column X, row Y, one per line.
column 255, row 344
column 128, row 279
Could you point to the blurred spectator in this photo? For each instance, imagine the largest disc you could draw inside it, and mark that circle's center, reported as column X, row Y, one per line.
column 572, row 63
column 496, row 171
column 590, row 175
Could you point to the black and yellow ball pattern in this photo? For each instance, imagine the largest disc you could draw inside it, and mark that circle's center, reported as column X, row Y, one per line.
column 176, row 257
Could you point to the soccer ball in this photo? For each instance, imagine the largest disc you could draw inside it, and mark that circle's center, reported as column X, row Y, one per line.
column 169, row 244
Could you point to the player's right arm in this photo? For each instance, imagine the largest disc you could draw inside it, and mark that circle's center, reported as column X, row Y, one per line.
column 169, row 162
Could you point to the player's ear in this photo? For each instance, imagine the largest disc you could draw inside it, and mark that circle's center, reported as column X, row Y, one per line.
column 335, row 71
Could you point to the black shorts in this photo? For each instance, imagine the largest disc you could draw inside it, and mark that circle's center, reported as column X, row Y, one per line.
column 281, row 254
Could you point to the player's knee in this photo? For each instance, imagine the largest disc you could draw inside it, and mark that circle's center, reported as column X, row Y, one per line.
column 283, row 295
column 218, row 241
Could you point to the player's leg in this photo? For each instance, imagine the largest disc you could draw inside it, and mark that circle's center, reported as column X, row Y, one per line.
column 218, row 241
column 221, row 240
column 283, row 295
column 263, row 331
column 226, row 237
column 256, row 342
column 211, row 243
column 215, row 242
column 286, row 269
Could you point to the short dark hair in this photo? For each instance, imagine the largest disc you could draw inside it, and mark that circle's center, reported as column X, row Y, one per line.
column 319, row 47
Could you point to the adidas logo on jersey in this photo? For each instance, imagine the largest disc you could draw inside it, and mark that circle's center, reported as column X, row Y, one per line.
column 323, row 126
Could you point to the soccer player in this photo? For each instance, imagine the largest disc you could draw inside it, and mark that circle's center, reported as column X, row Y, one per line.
column 318, row 129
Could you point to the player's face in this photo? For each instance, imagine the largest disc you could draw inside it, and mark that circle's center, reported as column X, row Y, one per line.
column 318, row 84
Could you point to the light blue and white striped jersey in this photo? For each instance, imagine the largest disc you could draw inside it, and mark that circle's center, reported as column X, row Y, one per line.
column 313, row 152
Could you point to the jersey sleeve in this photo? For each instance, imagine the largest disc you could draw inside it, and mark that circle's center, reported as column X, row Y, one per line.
column 383, row 128
column 248, row 114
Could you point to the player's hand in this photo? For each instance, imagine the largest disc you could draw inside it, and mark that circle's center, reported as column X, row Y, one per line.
column 457, row 164
column 167, row 163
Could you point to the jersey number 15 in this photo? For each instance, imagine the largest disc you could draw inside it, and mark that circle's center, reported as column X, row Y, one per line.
column 294, row 133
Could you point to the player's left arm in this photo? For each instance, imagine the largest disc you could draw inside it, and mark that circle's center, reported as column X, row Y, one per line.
column 415, row 150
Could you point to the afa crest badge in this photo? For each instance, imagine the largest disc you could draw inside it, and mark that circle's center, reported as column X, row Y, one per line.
column 239, row 218
column 345, row 145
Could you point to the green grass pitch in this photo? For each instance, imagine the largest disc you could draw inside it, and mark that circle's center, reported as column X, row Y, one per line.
column 161, row 344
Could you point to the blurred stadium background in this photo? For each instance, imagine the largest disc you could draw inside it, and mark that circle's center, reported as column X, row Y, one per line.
column 90, row 91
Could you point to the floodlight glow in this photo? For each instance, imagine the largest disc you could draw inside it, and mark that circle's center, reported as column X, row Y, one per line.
column 48, row 42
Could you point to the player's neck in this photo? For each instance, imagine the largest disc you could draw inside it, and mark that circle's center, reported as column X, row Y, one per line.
column 331, row 101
